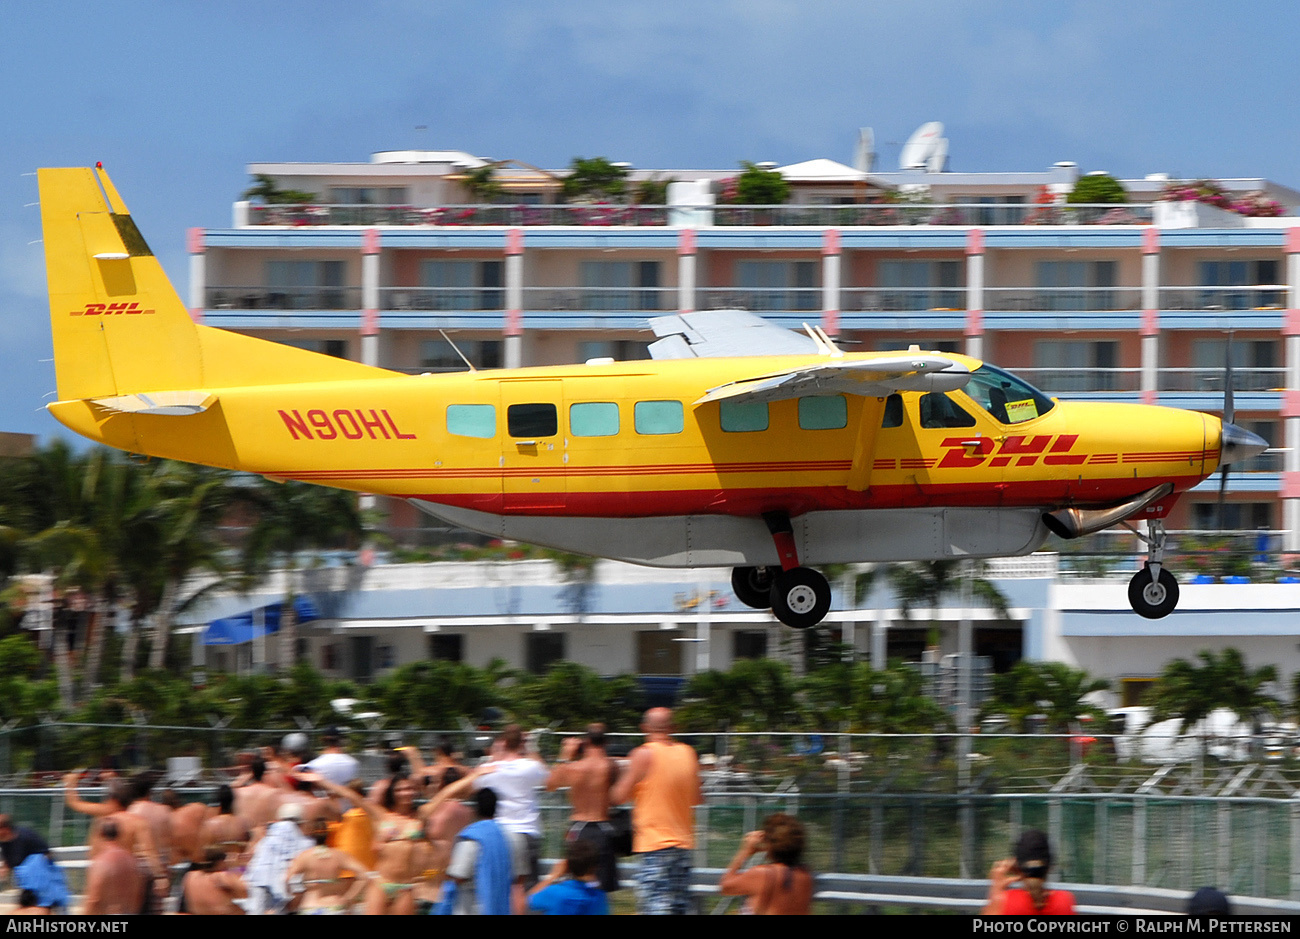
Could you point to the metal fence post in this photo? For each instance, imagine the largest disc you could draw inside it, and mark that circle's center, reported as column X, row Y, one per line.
column 1139, row 872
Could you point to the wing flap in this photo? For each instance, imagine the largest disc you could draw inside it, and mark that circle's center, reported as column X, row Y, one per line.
column 163, row 403
column 876, row 377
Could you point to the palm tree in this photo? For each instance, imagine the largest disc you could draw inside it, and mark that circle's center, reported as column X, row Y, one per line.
column 1053, row 689
column 926, row 583
column 1190, row 692
column 291, row 518
column 192, row 501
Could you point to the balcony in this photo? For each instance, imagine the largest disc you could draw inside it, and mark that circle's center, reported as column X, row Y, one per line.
column 442, row 299
column 601, row 299
column 1062, row 299
column 1210, row 380
column 282, row 298
column 1214, row 299
column 902, row 299
column 1072, row 381
column 761, row 299
column 964, row 215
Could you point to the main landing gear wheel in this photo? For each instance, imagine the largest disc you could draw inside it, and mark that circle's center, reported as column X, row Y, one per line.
column 1153, row 598
column 801, row 597
column 753, row 586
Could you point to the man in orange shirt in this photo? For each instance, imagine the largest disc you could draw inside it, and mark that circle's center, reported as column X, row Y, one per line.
column 663, row 783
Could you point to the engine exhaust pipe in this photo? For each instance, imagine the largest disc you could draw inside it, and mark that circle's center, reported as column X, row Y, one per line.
column 1074, row 523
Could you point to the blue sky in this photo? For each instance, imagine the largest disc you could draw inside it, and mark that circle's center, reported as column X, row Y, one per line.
column 175, row 98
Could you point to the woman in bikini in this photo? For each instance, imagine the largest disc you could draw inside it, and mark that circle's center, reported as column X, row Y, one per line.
column 319, row 874
column 783, row 886
column 402, row 853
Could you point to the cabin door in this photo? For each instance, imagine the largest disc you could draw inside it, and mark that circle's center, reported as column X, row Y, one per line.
column 533, row 448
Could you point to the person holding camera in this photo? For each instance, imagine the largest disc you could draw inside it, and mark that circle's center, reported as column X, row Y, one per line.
column 781, row 887
column 588, row 772
column 1029, row 867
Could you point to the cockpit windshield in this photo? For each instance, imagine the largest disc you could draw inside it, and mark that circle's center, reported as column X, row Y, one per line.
column 1007, row 398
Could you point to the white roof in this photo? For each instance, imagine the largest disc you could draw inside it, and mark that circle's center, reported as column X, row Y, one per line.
column 822, row 170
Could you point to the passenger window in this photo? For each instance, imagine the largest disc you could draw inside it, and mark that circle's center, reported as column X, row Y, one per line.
column 893, row 411
column 939, row 410
column 823, row 412
column 532, row 420
column 658, row 417
column 472, row 420
column 741, row 417
column 593, row 419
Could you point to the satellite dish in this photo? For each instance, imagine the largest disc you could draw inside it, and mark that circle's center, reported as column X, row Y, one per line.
column 938, row 156
column 920, row 146
column 864, row 154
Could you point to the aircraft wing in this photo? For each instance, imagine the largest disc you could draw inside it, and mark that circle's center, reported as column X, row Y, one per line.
column 724, row 334
column 876, row 377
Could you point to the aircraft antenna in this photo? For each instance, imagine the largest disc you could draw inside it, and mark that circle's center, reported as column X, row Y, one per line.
column 823, row 342
column 835, row 351
column 457, row 351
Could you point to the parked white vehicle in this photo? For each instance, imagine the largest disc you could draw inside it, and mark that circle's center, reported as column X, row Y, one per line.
column 1224, row 734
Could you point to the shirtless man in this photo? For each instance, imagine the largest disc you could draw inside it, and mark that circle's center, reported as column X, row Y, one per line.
column 157, row 817
column 226, row 831
column 130, row 832
column 187, row 824
column 588, row 772
column 114, row 884
column 257, row 803
column 209, row 889
column 444, row 821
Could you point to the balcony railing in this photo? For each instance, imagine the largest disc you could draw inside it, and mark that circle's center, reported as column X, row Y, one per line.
column 1210, row 379
column 282, row 298
column 761, row 299
column 1062, row 299
column 961, row 214
column 442, row 299
column 601, row 299
column 1077, row 380
column 1262, row 297
column 902, row 299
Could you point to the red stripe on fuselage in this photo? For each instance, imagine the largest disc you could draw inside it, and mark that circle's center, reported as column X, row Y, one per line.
column 797, row 500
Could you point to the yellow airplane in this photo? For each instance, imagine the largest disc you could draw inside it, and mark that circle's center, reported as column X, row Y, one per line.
column 739, row 444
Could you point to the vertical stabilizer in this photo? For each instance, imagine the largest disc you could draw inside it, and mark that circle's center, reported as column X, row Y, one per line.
column 119, row 326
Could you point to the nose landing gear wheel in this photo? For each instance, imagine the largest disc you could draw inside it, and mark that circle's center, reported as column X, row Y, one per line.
column 1153, row 599
column 801, row 597
column 753, row 586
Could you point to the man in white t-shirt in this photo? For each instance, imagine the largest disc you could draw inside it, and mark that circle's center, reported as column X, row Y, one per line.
column 516, row 778
column 333, row 763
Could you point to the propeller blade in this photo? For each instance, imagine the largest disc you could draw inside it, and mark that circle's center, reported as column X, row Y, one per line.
column 1229, row 409
column 1223, row 489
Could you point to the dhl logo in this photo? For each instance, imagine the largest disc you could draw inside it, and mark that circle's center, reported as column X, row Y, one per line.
column 351, row 424
column 1025, row 451
column 109, row 309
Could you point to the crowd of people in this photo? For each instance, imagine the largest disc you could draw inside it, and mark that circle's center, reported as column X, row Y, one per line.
column 293, row 835
column 296, row 836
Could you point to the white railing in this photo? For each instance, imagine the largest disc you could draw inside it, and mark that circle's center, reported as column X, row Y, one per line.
column 1062, row 299
column 1259, row 297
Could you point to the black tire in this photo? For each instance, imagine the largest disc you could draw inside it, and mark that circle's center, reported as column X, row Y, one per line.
column 801, row 597
column 753, row 586
column 1153, row 600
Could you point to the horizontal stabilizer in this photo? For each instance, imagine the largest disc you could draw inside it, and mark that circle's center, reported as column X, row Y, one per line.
column 167, row 403
column 876, row 377
column 724, row 334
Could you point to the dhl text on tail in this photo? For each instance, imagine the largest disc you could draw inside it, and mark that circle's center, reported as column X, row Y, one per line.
column 737, row 444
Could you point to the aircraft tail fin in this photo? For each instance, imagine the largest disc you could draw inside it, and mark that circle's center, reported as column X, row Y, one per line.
column 119, row 326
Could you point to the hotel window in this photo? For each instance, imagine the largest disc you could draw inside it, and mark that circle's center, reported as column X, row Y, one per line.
column 306, row 285
column 541, row 649
column 460, row 285
column 1220, row 275
column 921, row 285
column 446, row 647
column 620, row 285
column 1254, row 365
column 778, row 285
column 335, row 347
column 368, row 195
column 1076, row 365
column 437, row 355
column 1073, row 286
